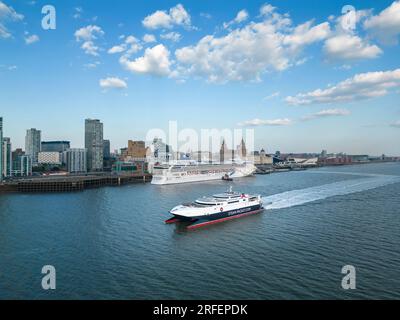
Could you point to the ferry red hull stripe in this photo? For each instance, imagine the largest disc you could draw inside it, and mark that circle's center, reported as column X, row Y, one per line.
column 172, row 220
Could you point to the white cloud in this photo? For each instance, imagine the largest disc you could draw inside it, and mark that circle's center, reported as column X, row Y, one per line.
column 159, row 19
column 148, row 38
column 246, row 53
column 396, row 124
column 260, row 122
column 91, row 65
column 78, row 12
column 205, row 15
column 266, row 9
column 131, row 39
column 241, row 16
column 272, row 95
column 88, row 35
column 306, row 34
column 302, row 61
column 350, row 47
column 31, row 39
column 386, row 25
column 361, row 86
column 117, row 49
column 133, row 45
column 113, row 82
column 90, row 48
column 155, row 61
column 7, row 14
column 163, row 19
column 9, row 67
column 328, row 113
column 344, row 44
column 173, row 36
column 179, row 15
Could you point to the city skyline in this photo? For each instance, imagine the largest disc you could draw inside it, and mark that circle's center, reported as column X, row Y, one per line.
column 149, row 143
column 145, row 66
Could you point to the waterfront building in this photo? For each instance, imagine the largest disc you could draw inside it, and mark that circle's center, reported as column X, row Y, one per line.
column 1, row 149
column 108, row 159
column 340, row 159
column 94, row 144
column 161, row 152
column 49, row 158
column 136, row 149
column 359, row 158
column 7, row 158
column 32, row 144
column 54, row 146
column 123, row 152
column 76, row 160
column 22, row 166
column 106, row 149
column 129, row 167
column 262, row 158
column 17, row 152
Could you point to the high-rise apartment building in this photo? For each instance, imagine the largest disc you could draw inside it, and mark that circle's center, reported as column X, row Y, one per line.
column 32, row 144
column 22, row 166
column 94, row 144
column 76, row 160
column 162, row 151
column 7, row 158
column 106, row 149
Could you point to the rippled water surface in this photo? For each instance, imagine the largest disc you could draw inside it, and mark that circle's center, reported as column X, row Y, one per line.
column 111, row 243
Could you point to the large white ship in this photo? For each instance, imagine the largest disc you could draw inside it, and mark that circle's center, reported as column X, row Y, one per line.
column 218, row 208
column 176, row 173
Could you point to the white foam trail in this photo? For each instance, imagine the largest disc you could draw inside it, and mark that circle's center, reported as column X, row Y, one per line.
column 361, row 174
column 298, row 197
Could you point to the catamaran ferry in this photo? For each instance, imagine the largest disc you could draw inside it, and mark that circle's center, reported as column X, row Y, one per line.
column 220, row 207
column 172, row 174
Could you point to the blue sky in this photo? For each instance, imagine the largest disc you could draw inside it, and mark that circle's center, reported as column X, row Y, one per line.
column 298, row 72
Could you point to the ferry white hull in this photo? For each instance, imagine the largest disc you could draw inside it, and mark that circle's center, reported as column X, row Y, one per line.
column 184, row 177
column 218, row 208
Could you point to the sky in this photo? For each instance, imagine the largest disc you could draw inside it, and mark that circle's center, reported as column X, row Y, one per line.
column 305, row 75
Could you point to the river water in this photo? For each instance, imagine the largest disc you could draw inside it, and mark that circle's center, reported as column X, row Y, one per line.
column 111, row 243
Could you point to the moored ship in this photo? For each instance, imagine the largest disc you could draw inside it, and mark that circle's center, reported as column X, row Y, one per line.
column 172, row 174
column 217, row 208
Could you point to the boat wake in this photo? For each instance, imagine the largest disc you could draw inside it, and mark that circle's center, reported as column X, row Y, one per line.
column 298, row 197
